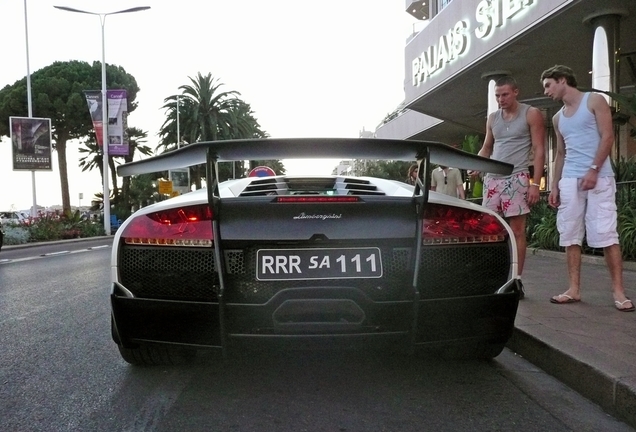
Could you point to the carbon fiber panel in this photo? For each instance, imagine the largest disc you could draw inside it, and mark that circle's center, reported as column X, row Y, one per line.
column 458, row 271
column 170, row 273
column 189, row 274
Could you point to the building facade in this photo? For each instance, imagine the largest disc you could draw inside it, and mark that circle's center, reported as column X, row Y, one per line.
column 450, row 65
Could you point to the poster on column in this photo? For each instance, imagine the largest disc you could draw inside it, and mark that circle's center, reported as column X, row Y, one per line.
column 31, row 143
column 117, row 110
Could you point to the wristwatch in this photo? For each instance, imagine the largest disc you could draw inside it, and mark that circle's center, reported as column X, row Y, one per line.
column 594, row 167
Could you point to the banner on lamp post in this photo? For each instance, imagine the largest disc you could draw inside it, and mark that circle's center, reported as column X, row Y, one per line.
column 31, row 143
column 117, row 109
column 117, row 122
column 94, row 101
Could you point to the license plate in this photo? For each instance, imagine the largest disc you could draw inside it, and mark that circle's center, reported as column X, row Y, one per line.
column 307, row 264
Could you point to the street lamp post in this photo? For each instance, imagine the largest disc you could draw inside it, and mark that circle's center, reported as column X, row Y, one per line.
column 29, row 104
column 178, row 132
column 102, row 20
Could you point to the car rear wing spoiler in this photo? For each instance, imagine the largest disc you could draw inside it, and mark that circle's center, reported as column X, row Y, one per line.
column 314, row 148
column 210, row 153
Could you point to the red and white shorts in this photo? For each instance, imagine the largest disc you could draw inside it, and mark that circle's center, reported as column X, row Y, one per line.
column 508, row 196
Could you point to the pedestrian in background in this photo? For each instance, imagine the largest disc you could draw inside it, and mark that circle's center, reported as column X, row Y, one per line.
column 411, row 177
column 513, row 132
column 583, row 185
column 448, row 181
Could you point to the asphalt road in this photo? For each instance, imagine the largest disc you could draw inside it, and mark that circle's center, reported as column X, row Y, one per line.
column 60, row 371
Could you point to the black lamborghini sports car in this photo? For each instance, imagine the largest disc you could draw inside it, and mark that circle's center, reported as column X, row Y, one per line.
column 312, row 261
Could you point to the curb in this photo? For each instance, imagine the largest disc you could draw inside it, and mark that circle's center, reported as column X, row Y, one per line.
column 615, row 395
column 75, row 240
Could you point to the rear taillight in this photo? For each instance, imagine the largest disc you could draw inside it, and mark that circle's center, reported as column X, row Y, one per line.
column 184, row 226
column 455, row 225
column 318, row 199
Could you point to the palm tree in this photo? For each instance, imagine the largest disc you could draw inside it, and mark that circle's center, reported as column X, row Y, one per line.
column 242, row 125
column 136, row 140
column 187, row 130
column 211, row 107
column 93, row 159
column 91, row 148
column 207, row 114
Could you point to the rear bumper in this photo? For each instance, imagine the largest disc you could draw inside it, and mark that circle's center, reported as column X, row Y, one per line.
column 298, row 319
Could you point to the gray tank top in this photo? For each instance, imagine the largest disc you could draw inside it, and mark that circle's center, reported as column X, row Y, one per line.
column 512, row 140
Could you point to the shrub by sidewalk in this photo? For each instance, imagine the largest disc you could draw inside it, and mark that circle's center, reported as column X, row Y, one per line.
column 52, row 227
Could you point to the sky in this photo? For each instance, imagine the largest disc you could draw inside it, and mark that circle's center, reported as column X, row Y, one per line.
column 327, row 68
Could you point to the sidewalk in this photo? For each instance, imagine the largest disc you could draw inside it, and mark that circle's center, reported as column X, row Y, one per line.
column 589, row 346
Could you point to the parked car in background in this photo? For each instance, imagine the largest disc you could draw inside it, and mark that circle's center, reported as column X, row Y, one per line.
column 1, row 236
column 312, row 261
column 13, row 217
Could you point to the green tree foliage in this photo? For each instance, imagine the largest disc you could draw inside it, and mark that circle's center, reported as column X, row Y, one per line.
column 627, row 108
column 143, row 190
column 58, row 93
column 624, row 169
column 93, row 159
column 392, row 170
column 541, row 230
column 136, row 140
column 208, row 114
column 472, row 144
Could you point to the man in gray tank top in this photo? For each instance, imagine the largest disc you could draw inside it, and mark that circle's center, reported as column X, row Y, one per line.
column 513, row 133
column 583, row 186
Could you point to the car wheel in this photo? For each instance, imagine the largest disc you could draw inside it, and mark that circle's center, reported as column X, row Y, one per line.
column 155, row 355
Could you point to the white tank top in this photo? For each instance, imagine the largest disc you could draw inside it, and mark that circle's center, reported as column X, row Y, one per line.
column 582, row 139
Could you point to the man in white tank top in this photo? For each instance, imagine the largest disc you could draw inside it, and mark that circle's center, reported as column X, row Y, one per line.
column 513, row 132
column 583, row 186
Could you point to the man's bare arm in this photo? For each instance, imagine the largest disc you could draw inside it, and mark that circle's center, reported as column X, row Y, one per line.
column 487, row 147
column 601, row 110
column 537, row 136
column 559, row 158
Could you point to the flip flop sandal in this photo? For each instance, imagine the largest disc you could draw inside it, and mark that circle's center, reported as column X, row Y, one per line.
column 624, row 309
column 568, row 299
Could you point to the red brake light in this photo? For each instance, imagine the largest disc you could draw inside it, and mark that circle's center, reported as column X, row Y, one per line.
column 455, row 225
column 318, row 199
column 185, row 226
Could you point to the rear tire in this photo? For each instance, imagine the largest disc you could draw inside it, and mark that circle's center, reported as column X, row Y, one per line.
column 156, row 355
